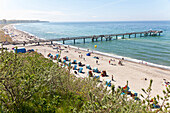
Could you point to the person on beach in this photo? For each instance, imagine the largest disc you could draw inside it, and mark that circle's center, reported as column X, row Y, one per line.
column 109, row 61
column 120, row 63
column 112, row 78
column 97, row 61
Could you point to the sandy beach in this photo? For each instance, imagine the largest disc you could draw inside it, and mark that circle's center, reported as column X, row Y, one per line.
column 18, row 35
column 138, row 75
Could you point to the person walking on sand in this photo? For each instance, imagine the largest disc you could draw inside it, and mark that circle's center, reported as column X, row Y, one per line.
column 96, row 61
column 112, row 78
column 109, row 61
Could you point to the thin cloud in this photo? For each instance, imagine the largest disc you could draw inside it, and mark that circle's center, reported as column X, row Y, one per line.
column 94, row 16
column 35, row 14
column 107, row 4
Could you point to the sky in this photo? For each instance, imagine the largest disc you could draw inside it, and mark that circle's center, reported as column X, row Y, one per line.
column 85, row 10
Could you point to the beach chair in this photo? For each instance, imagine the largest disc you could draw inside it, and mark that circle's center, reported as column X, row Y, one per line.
column 134, row 95
column 95, row 69
column 88, row 66
column 75, row 67
column 30, row 50
column 126, row 88
column 80, row 70
column 88, row 54
column 55, row 58
column 96, row 57
column 57, row 55
column 48, row 54
column 64, row 61
column 65, row 58
column 108, row 83
column 80, row 64
column 103, row 73
column 90, row 74
column 51, row 56
column 74, row 62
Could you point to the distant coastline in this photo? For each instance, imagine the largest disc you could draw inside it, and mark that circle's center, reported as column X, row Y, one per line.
column 4, row 21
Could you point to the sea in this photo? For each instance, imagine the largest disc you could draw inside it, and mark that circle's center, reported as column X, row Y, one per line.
column 154, row 49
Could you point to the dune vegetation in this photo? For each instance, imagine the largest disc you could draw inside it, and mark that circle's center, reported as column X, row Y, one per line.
column 4, row 37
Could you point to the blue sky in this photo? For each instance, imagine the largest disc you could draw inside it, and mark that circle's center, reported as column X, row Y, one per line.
column 86, row 10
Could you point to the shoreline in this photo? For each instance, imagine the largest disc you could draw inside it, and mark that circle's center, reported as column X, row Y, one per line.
column 98, row 52
column 120, row 57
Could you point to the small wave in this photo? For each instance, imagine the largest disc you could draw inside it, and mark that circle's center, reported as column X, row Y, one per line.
column 50, row 32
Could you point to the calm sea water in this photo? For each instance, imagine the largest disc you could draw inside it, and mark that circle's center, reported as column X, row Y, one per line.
column 152, row 49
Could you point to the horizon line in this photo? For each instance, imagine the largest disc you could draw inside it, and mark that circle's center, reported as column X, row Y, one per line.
column 87, row 21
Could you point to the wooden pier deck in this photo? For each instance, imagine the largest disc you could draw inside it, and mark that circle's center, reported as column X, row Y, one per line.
column 94, row 37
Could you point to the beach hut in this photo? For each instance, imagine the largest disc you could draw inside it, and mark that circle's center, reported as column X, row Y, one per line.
column 88, row 54
column 108, row 82
column 21, row 50
column 88, row 66
column 80, row 70
column 75, row 67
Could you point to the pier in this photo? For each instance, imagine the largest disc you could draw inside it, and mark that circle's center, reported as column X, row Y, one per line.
column 96, row 37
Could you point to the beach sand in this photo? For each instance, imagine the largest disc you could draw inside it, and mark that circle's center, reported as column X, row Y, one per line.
column 134, row 73
column 18, row 35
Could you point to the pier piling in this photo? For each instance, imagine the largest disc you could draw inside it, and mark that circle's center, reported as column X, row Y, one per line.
column 140, row 34
column 123, row 37
column 74, row 41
